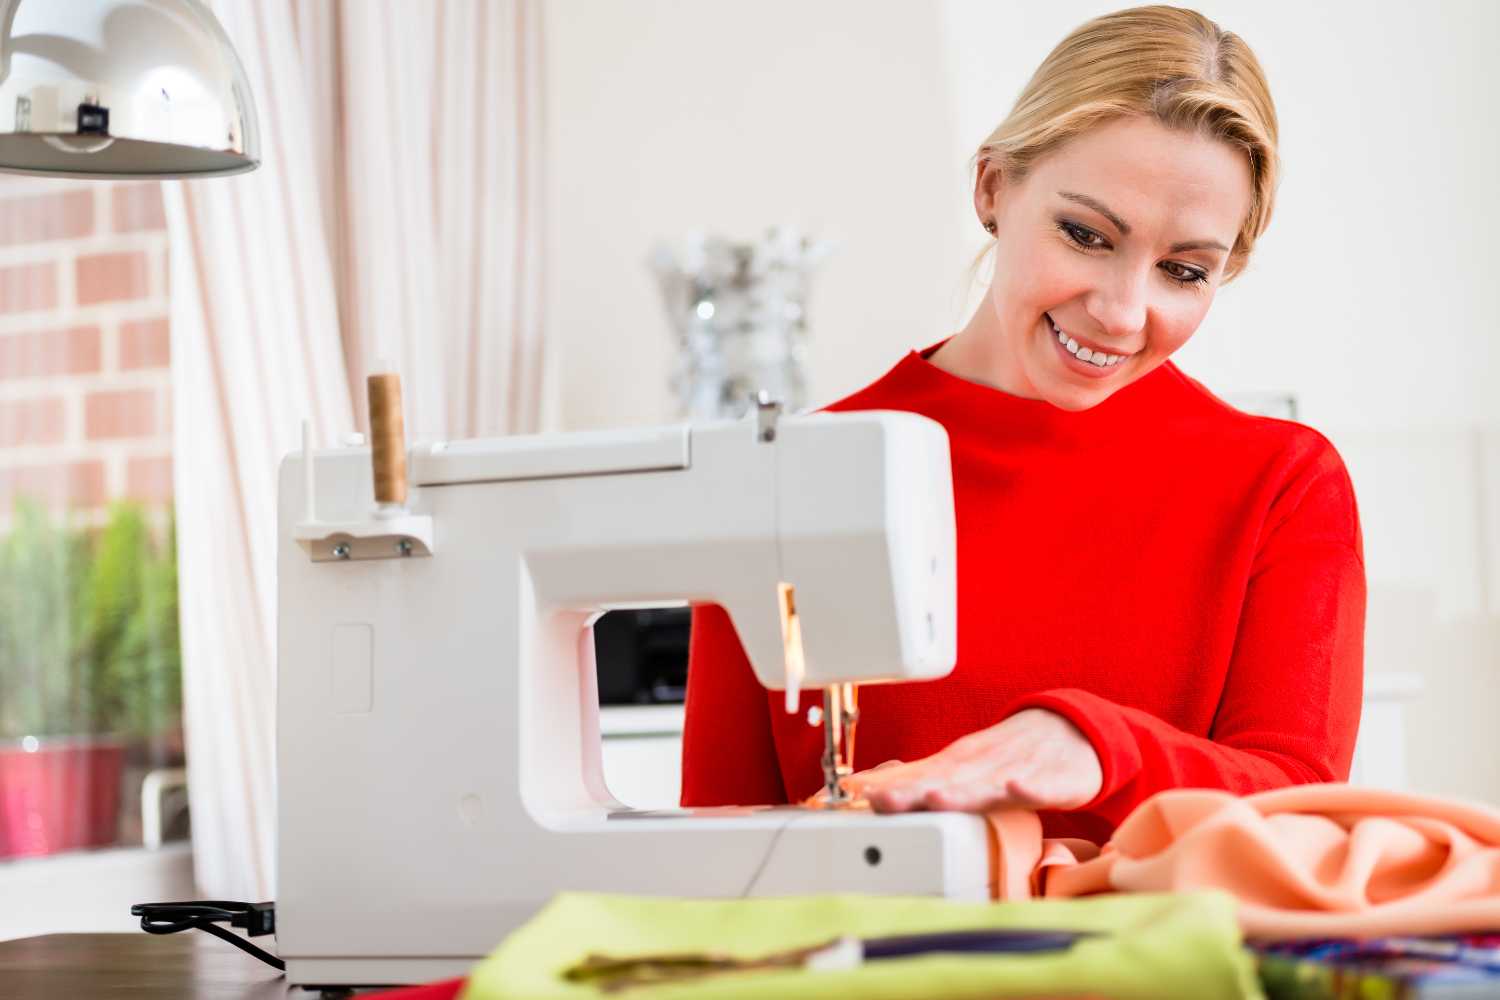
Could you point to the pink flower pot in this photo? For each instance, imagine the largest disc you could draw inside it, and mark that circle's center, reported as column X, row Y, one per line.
column 59, row 795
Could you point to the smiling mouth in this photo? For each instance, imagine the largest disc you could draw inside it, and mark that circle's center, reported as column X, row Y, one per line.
column 1084, row 355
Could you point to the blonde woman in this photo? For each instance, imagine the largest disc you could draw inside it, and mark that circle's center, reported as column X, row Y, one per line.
column 1155, row 590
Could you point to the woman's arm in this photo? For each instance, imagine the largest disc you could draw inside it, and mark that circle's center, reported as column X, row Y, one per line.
column 1290, row 708
column 1289, row 711
column 728, row 754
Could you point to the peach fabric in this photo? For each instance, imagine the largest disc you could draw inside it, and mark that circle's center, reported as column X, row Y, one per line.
column 1020, row 857
column 1321, row 860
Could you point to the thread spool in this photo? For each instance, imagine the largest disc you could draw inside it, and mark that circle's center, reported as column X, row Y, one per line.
column 387, row 438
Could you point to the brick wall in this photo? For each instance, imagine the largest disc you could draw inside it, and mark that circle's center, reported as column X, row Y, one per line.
column 84, row 356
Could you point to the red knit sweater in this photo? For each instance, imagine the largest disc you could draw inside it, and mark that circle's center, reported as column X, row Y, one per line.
column 1183, row 581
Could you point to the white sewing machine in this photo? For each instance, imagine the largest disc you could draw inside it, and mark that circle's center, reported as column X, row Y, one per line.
column 438, row 748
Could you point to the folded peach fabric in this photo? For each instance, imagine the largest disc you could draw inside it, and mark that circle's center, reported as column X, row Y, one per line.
column 1020, row 857
column 1328, row 860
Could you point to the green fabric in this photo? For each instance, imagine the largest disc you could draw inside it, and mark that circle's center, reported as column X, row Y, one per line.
column 1162, row 946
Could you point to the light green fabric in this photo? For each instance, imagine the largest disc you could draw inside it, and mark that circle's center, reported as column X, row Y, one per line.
column 1162, row 946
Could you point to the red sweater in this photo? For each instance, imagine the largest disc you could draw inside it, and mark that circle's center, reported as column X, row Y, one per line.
column 1183, row 581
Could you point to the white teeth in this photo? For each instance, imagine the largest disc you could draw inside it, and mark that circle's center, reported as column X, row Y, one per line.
column 1098, row 358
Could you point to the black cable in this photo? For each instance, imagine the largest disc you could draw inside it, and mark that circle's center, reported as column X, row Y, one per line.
column 205, row 915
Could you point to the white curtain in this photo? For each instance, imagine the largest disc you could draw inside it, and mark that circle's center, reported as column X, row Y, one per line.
column 395, row 215
column 440, row 171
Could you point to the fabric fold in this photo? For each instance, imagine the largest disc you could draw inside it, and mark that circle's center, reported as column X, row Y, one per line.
column 1325, row 860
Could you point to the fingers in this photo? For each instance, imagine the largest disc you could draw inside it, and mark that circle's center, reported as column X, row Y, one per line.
column 1034, row 759
column 971, row 787
column 1050, row 793
column 853, row 784
column 914, row 786
column 885, row 778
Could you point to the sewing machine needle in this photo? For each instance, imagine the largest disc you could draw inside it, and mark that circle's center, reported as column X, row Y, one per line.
column 839, row 717
column 832, row 737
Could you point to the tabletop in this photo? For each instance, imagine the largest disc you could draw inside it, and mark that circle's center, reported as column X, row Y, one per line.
column 188, row 966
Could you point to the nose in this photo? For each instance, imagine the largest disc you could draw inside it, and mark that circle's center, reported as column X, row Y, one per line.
column 1118, row 304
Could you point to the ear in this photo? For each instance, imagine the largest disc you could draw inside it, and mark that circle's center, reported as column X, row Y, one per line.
column 987, row 184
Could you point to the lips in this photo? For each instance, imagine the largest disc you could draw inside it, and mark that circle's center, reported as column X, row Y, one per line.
column 1093, row 347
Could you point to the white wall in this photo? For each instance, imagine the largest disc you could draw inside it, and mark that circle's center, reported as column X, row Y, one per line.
column 1370, row 297
column 669, row 117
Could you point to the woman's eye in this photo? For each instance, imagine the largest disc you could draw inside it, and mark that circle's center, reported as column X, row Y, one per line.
column 1183, row 274
column 1083, row 237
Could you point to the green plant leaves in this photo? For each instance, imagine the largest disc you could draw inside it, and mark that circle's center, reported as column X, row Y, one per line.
column 88, row 625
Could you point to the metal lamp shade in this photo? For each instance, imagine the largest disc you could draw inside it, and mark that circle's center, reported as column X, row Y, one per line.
column 122, row 88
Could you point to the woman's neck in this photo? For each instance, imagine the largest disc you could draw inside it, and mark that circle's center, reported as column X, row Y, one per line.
column 979, row 353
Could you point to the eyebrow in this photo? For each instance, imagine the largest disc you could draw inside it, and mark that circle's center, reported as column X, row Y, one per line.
column 1124, row 227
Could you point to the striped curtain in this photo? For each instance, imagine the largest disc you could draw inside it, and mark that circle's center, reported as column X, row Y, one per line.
column 395, row 215
column 436, row 115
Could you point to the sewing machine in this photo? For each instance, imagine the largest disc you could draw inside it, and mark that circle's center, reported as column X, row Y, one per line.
column 439, row 773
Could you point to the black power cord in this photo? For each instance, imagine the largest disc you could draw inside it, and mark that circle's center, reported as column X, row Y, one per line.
column 206, row 914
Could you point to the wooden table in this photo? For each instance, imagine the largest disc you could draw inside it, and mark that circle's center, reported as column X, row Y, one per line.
column 187, row 966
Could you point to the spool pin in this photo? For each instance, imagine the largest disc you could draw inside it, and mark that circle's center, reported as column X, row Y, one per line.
column 387, row 439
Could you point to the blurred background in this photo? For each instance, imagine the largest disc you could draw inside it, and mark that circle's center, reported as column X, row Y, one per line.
column 495, row 194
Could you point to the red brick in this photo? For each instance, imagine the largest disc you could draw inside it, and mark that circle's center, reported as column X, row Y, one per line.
column 121, row 413
column 58, row 215
column 74, row 484
column 72, row 351
column 149, row 479
column 145, row 343
column 26, row 287
column 111, row 277
column 138, row 208
column 32, row 421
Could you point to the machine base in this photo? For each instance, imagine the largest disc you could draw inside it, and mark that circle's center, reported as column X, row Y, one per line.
column 781, row 852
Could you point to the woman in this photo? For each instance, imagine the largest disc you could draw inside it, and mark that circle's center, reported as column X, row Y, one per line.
column 1155, row 590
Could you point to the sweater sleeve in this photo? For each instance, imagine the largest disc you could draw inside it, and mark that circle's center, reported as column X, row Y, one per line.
column 728, row 753
column 1289, row 710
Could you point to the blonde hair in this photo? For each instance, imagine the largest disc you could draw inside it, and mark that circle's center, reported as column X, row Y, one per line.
column 1170, row 64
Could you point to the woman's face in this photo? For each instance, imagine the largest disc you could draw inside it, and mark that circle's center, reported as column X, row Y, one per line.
column 1118, row 239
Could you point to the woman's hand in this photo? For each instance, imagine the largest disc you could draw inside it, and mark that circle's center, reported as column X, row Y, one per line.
column 1036, row 759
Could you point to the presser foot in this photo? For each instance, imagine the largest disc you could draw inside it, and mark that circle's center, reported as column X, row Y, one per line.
column 840, row 713
column 835, row 795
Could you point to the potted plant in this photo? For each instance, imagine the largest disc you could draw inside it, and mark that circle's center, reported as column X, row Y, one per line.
column 88, row 661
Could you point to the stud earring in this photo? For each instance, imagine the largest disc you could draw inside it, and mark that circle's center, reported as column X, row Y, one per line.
column 989, row 227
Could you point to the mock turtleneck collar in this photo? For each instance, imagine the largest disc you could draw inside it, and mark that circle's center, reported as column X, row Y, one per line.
column 965, row 403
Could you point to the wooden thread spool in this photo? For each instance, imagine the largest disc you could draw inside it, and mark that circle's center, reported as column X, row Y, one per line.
column 387, row 438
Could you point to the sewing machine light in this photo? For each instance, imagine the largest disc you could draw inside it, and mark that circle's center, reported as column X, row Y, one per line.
column 839, row 712
column 791, row 640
